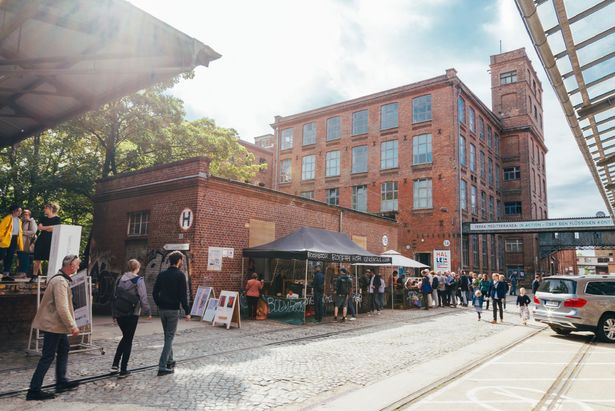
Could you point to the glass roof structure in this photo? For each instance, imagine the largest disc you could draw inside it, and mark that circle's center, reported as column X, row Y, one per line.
column 575, row 41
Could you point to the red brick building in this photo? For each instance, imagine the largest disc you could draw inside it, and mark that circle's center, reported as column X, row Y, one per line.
column 262, row 155
column 432, row 155
column 137, row 214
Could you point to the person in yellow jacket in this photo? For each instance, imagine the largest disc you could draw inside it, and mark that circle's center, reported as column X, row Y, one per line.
column 10, row 239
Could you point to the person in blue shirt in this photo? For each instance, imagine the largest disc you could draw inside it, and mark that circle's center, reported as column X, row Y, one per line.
column 498, row 293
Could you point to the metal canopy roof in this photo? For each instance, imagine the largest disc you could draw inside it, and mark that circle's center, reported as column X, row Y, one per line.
column 61, row 58
column 575, row 41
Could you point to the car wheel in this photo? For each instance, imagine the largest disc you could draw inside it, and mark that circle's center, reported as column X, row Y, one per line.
column 606, row 328
column 561, row 331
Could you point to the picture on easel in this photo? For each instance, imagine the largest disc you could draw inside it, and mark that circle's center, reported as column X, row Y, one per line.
column 227, row 313
column 202, row 296
column 210, row 311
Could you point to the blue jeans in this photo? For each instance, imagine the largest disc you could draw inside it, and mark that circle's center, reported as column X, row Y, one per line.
column 351, row 309
column 319, row 308
column 513, row 288
column 8, row 254
column 169, row 319
column 24, row 261
column 52, row 344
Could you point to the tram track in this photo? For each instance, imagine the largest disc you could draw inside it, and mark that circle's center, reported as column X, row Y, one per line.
column 317, row 336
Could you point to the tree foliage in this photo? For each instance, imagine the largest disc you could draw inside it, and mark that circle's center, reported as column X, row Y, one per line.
column 136, row 131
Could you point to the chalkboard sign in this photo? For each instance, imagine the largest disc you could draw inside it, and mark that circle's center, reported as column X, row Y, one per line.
column 290, row 311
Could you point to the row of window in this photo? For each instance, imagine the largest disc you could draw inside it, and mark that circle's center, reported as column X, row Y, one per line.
column 389, row 158
column 486, row 164
column 484, row 251
column 389, row 194
column 389, row 119
column 492, row 138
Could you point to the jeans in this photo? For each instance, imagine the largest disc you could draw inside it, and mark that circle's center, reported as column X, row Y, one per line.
column 52, row 344
column 434, row 297
column 513, row 288
column 351, row 309
column 128, row 325
column 426, row 300
column 169, row 319
column 497, row 303
column 468, row 294
column 372, row 302
column 441, row 297
column 319, row 308
column 379, row 301
column 252, row 305
column 24, row 261
column 9, row 253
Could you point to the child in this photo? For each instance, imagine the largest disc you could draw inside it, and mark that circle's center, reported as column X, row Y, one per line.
column 523, row 301
column 477, row 302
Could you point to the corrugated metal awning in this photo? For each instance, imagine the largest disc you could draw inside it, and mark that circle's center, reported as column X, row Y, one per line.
column 575, row 41
column 61, row 58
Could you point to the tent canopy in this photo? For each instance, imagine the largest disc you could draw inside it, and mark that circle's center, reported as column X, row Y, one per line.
column 316, row 244
column 398, row 260
column 61, row 58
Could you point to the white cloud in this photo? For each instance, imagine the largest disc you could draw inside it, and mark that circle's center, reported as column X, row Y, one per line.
column 282, row 57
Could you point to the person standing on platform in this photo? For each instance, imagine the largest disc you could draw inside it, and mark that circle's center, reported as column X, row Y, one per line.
column 318, row 287
column 42, row 247
column 169, row 293
column 10, row 240
column 129, row 298
column 55, row 318
column 253, row 293
column 29, row 229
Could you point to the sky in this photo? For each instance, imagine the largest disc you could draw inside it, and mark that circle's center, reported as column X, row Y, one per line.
column 281, row 57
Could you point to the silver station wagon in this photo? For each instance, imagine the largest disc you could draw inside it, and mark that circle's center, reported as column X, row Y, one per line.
column 577, row 303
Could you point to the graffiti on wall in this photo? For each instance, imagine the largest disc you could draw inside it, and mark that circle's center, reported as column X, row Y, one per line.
column 105, row 275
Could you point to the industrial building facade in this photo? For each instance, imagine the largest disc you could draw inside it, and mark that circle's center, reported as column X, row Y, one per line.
column 431, row 155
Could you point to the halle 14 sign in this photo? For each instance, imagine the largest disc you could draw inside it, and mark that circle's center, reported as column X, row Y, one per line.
column 442, row 260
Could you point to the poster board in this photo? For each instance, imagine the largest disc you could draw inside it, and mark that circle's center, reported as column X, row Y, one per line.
column 82, row 303
column 442, row 260
column 200, row 301
column 227, row 313
column 65, row 240
column 214, row 258
column 210, row 311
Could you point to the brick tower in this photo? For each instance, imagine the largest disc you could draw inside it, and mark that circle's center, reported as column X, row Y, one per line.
column 516, row 96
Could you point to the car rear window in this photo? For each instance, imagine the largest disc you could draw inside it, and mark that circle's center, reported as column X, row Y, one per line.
column 600, row 288
column 558, row 286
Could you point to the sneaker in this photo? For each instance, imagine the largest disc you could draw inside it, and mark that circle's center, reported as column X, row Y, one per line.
column 123, row 374
column 165, row 371
column 114, row 369
column 378, row 312
column 334, row 318
column 494, row 322
column 34, row 279
column 39, row 395
column 353, row 318
column 67, row 386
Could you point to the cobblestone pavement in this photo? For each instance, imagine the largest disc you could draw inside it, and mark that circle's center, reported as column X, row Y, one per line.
column 263, row 365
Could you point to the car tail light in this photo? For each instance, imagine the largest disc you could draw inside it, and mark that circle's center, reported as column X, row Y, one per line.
column 575, row 302
column 536, row 300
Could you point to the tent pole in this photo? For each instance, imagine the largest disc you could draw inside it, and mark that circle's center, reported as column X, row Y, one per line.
column 356, row 287
column 392, row 293
column 305, row 290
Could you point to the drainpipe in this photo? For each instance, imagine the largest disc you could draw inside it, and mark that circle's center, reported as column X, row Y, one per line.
column 456, row 93
column 276, row 158
column 341, row 219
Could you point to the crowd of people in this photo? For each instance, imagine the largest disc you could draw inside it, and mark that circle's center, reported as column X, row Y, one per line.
column 21, row 236
column 452, row 289
column 55, row 318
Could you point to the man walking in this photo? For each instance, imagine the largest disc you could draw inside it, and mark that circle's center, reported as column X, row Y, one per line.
column 318, row 286
column 55, row 318
column 514, row 277
column 169, row 292
column 343, row 286
column 498, row 293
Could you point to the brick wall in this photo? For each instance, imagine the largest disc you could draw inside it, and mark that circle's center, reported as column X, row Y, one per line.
column 222, row 212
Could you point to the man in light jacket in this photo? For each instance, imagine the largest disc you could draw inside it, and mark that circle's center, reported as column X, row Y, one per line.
column 55, row 318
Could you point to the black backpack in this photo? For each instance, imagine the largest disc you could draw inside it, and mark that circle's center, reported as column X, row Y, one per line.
column 377, row 282
column 125, row 300
column 343, row 285
column 435, row 282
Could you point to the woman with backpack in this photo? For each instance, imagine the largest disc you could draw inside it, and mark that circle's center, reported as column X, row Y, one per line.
column 129, row 298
